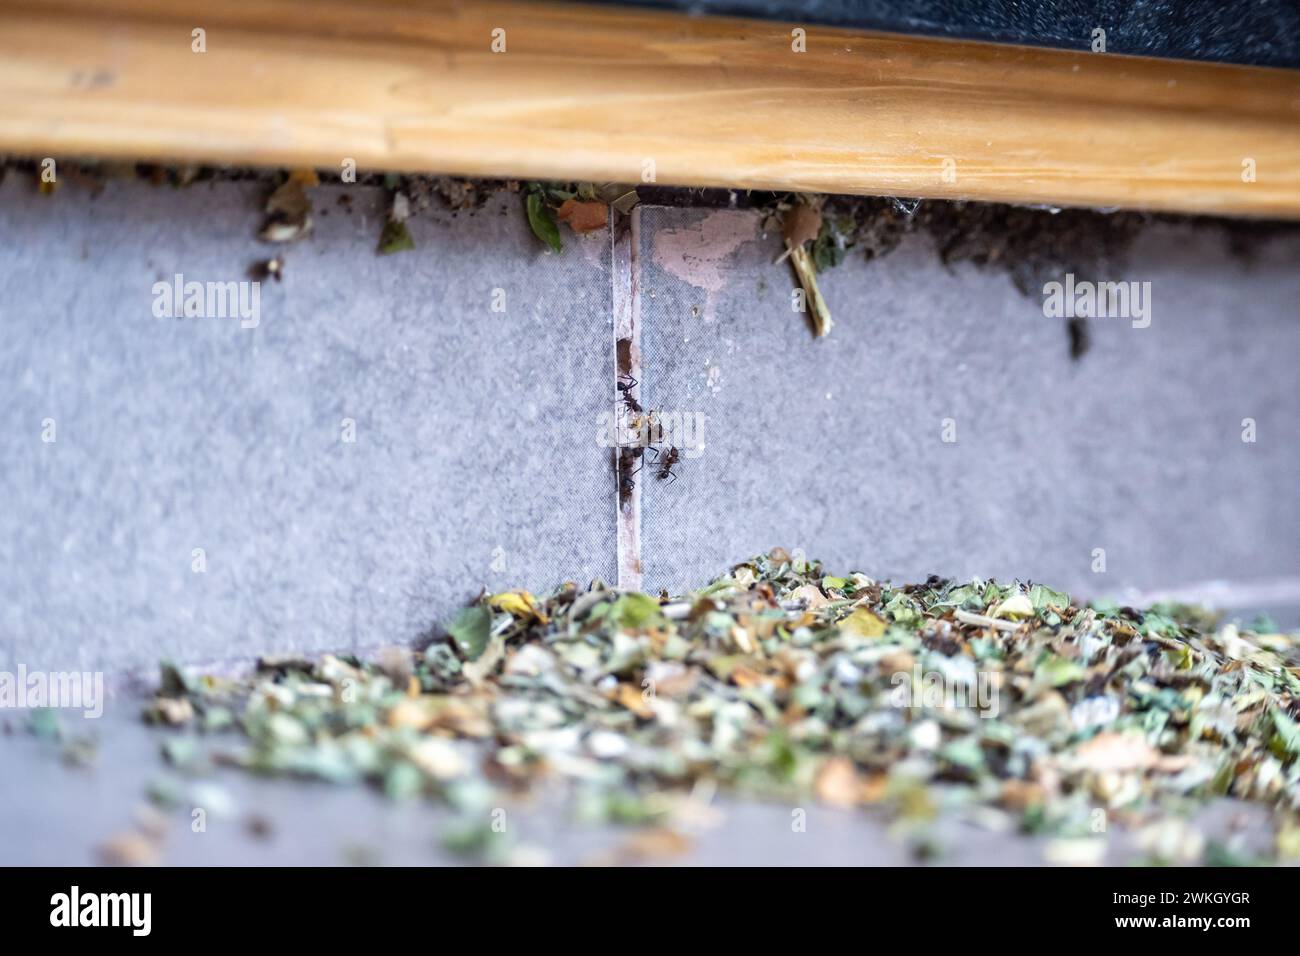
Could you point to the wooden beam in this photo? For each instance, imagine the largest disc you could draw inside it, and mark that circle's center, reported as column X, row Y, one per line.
column 600, row 93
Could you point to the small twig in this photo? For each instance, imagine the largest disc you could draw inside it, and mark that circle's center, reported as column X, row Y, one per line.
column 807, row 273
column 966, row 617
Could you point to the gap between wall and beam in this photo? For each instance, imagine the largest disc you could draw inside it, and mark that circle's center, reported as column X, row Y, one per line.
column 625, row 297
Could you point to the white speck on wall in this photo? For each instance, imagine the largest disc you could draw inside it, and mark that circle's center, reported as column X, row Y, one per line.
column 593, row 247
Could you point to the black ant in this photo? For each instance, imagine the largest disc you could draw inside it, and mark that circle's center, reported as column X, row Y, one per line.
column 625, row 388
column 626, row 485
column 626, row 473
column 665, row 463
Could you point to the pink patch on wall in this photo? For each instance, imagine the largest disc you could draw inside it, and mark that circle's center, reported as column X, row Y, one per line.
column 698, row 253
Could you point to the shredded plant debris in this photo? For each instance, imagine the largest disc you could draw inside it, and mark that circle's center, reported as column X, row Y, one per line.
column 584, row 207
column 1004, row 702
column 1031, row 245
column 288, row 208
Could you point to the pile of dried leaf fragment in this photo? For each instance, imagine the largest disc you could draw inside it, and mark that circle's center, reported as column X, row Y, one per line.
column 975, row 698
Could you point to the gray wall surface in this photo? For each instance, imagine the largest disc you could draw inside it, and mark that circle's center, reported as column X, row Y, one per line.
column 176, row 434
column 836, row 446
column 476, row 462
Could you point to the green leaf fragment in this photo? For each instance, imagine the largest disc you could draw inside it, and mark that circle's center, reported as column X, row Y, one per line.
column 635, row 610
column 542, row 222
column 1058, row 671
column 1041, row 597
column 395, row 238
column 1287, row 737
column 471, row 630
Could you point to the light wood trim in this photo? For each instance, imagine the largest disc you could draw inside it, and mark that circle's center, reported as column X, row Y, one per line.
column 588, row 93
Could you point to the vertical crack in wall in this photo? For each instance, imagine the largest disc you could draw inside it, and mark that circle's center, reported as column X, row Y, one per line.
column 626, row 298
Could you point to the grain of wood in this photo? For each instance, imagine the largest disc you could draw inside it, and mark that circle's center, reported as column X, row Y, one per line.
column 598, row 93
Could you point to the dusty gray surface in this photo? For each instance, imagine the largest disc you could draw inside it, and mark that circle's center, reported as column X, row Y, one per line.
column 54, row 813
column 836, row 446
column 176, row 434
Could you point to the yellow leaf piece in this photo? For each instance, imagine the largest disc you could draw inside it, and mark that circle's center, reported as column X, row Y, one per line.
column 517, row 603
column 1015, row 608
column 810, row 595
column 633, row 699
column 863, row 623
column 306, row 177
column 1288, row 841
column 412, row 713
column 838, row 783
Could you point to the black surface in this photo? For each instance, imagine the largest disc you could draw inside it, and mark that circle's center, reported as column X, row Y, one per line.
column 315, row 909
column 1261, row 33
